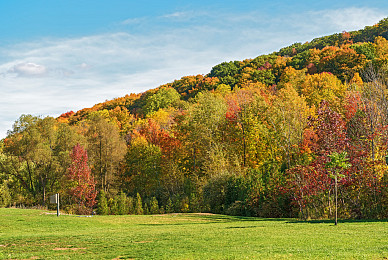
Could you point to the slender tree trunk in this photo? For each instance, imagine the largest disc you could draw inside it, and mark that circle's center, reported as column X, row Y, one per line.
column 244, row 145
column 329, row 198
column 44, row 191
column 32, row 187
column 101, row 175
column 194, row 159
column 336, row 196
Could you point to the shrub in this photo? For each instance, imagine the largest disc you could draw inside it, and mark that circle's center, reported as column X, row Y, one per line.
column 5, row 196
column 185, row 204
column 237, row 208
column 102, row 206
column 214, row 193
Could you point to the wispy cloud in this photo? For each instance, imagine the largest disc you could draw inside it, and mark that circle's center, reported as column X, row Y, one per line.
column 349, row 18
column 131, row 21
column 177, row 15
column 28, row 69
column 52, row 76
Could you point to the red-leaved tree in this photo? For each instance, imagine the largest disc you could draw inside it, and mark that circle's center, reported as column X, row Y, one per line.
column 82, row 188
column 310, row 185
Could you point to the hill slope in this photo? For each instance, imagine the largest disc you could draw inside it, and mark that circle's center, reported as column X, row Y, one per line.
column 252, row 137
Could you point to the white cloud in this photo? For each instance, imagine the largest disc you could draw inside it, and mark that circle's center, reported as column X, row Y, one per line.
column 58, row 75
column 84, row 66
column 176, row 15
column 351, row 18
column 28, row 69
column 132, row 21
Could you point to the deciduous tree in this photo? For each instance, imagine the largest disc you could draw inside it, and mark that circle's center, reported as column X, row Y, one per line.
column 82, row 185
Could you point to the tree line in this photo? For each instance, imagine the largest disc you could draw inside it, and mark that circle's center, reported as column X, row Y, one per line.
column 254, row 137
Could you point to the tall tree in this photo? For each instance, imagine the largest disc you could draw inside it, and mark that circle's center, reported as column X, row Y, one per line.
column 106, row 149
column 337, row 163
column 35, row 154
column 82, row 188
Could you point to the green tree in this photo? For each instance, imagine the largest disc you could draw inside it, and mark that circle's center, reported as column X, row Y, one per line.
column 154, row 206
column 337, row 163
column 36, row 155
column 131, row 206
column 169, row 206
column 143, row 169
column 138, row 205
column 194, row 203
column 122, row 204
column 163, row 98
column 226, row 72
column 102, row 204
column 5, row 195
column 106, row 149
column 202, row 130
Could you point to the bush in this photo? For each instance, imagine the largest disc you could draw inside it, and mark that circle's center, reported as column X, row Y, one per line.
column 185, row 204
column 236, row 209
column 5, row 196
column 102, row 206
column 214, row 193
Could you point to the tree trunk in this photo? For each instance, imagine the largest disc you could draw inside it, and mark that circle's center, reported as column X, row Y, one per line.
column 244, row 145
column 336, row 196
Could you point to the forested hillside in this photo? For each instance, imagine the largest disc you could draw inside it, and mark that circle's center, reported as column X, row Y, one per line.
column 258, row 137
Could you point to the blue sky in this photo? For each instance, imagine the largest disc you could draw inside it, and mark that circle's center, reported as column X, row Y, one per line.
column 57, row 56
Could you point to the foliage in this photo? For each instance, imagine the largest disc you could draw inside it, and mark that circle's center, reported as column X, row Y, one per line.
column 252, row 137
column 163, row 98
column 138, row 209
column 154, row 206
column 5, row 195
column 102, row 204
column 82, row 185
column 106, row 149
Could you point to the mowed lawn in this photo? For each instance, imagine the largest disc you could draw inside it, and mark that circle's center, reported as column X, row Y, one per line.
column 37, row 234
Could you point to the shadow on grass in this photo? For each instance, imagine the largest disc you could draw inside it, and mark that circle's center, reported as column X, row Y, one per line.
column 331, row 221
column 293, row 220
column 205, row 219
column 227, row 218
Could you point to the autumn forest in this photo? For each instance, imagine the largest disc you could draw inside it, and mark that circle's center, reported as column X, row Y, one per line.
column 275, row 136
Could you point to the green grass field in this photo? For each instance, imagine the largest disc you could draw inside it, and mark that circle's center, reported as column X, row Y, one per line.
column 37, row 234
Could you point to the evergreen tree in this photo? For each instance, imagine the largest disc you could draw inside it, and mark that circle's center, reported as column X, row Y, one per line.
column 169, row 206
column 113, row 205
column 194, row 205
column 130, row 205
column 138, row 205
column 154, row 206
column 122, row 204
column 102, row 206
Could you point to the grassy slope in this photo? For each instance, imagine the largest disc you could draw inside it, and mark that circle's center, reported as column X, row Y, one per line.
column 26, row 234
